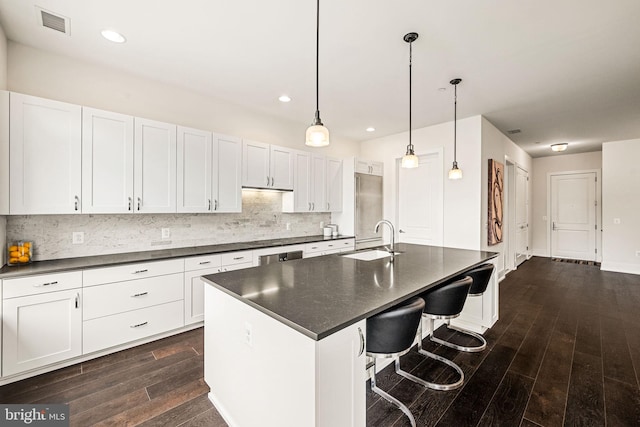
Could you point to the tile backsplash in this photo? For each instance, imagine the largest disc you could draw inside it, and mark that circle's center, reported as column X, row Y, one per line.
column 261, row 218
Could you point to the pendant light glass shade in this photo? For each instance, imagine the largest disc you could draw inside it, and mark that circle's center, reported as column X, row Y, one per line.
column 455, row 172
column 317, row 134
column 410, row 160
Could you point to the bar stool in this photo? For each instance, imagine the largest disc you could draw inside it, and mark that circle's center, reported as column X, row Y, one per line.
column 390, row 334
column 444, row 302
column 481, row 276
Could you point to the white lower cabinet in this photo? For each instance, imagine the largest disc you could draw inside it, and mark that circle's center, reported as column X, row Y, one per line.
column 328, row 247
column 42, row 327
column 121, row 328
column 194, row 268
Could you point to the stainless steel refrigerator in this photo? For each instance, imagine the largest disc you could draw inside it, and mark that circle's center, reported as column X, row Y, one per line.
column 368, row 210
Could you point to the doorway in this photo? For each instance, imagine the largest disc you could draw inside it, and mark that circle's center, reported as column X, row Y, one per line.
column 573, row 213
column 521, row 207
column 420, row 204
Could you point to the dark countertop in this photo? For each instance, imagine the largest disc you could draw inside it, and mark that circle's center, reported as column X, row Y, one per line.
column 322, row 295
column 54, row 266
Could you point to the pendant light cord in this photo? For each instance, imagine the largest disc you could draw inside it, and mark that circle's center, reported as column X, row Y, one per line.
column 455, row 121
column 410, row 60
column 317, row 57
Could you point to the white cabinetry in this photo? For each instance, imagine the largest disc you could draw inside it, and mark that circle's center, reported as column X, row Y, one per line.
column 328, row 247
column 4, row 154
column 45, row 156
column 334, row 185
column 194, row 268
column 227, row 174
column 194, row 170
column 266, row 166
column 155, row 166
column 369, row 167
column 107, row 162
column 130, row 302
column 42, row 321
column 318, row 183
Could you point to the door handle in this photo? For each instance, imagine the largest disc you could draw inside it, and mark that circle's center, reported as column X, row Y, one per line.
column 209, row 205
column 139, row 202
column 215, row 205
column 77, row 202
column 361, row 342
column 401, row 231
column 553, row 226
column 130, row 201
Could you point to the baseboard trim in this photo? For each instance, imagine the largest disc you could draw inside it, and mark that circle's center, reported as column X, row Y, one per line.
column 620, row 267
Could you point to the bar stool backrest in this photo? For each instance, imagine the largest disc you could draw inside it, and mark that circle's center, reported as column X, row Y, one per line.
column 481, row 277
column 447, row 300
column 394, row 330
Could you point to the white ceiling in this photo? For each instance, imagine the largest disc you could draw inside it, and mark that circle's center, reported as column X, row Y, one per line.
column 559, row 70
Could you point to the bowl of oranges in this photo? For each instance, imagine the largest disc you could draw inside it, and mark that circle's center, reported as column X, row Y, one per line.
column 20, row 252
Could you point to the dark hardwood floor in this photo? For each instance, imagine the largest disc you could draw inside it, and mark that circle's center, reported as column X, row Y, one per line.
column 566, row 351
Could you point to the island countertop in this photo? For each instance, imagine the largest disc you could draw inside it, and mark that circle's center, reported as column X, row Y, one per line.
column 322, row 295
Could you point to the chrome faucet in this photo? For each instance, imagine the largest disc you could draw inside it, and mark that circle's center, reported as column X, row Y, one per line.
column 393, row 234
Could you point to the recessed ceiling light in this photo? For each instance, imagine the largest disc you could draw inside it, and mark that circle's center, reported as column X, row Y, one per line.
column 371, row 129
column 442, row 89
column 559, row 147
column 113, row 36
column 284, row 98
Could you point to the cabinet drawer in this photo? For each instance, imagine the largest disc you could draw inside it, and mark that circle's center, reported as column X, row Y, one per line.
column 322, row 246
column 34, row 285
column 113, row 298
column 109, row 331
column 121, row 273
column 236, row 266
column 346, row 244
column 201, row 262
column 237, row 257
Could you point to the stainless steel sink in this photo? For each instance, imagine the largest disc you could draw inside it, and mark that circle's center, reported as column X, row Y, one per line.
column 370, row 255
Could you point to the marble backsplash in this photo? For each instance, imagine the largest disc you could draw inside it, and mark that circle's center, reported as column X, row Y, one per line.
column 261, row 218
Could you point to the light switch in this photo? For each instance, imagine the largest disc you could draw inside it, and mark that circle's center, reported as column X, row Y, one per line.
column 616, row 221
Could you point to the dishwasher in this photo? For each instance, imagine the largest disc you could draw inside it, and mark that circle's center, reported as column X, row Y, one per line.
column 281, row 257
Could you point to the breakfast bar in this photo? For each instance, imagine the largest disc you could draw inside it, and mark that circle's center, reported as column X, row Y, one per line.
column 284, row 343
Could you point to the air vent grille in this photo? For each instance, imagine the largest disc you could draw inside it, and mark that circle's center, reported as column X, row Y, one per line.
column 513, row 131
column 55, row 22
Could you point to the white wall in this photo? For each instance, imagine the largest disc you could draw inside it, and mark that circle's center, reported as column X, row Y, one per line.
column 462, row 197
column 542, row 166
column 621, row 199
column 497, row 146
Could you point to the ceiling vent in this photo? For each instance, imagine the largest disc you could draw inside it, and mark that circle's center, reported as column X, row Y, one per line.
column 55, row 22
column 513, row 131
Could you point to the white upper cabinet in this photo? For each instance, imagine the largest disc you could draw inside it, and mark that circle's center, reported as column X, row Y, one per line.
column 227, row 174
column 107, row 162
column 155, row 166
column 195, row 151
column 369, row 167
column 318, row 183
column 4, row 152
column 45, row 156
column 334, row 185
column 266, row 166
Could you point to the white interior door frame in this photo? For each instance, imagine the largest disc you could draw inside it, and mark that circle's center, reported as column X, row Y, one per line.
column 525, row 254
column 509, row 215
column 598, row 173
column 439, row 238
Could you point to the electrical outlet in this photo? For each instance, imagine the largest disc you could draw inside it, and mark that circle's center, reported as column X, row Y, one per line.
column 288, row 225
column 77, row 237
column 248, row 334
column 166, row 233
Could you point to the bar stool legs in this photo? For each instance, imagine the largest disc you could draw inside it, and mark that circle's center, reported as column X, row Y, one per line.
column 468, row 349
column 422, row 382
column 388, row 397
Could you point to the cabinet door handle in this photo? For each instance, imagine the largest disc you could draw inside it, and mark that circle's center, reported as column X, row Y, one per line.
column 313, row 206
column 209, row 208
column 215, row 205
column 77, row 300
column 272, row 181
column 238, row 258
column 361, row 342
column 77, row 202
column 139, row 325
column 401, row 231
column 205, row 262
column 130, row 202
column 139, row 202
column 554, row 226
column 140, row 271
column 267, row 180
column 309, row 205
column 141, row 294
column 328, row 206
column 45, row 284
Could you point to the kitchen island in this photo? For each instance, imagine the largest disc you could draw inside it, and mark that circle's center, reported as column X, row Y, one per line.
column 284, row 343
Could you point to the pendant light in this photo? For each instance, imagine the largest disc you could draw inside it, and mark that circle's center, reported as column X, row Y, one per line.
column 455, row 172
column 317, row 134
column 410, row 160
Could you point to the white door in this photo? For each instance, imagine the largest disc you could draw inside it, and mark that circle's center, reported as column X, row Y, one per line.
column 155, row 166
column 255, row 164
column 334, row 185
column 40, row 329
column 318, row 183
column 522, row 220
column 573, row 216
column 45, row 146
column 194, row 170
column 281, row 168
column 420, row 202
column 227, row 174
column 107, row 162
